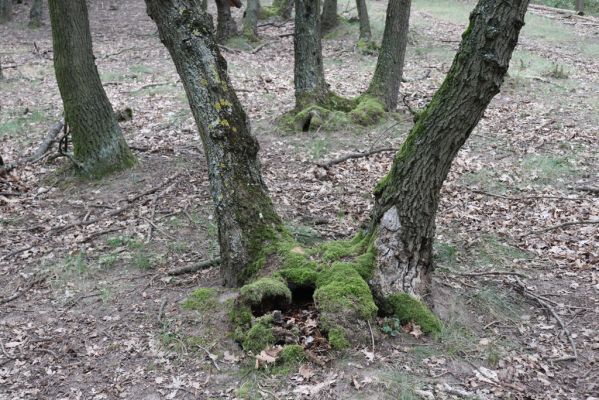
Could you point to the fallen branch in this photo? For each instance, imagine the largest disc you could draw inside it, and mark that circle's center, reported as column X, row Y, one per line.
column 527, row 293
column 524, row 198
column 590, row 189
column 39, row 153
column 499, row 273
column 328, row 164
column 210, row 356
column 257, row 49
column 195, row 267
column 554, row 227
column 18, row 293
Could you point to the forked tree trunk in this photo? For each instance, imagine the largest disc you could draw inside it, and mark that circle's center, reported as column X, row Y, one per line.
column 98, row 144
column 35, row 14
column 406, row 200
column 310, row 84
column 250, row 20
column 329, row 15
column 226, row 26
column 244, row 212
column 389, row 66
column 365, row 33
column 5, row 11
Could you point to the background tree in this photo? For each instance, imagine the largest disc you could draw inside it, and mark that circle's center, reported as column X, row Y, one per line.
column 580, row 7
column 5, row 10
column 98, row 143
column 329, row 16
column 389, row 67
column 365, row 34
column 35, row 14
column 226, row 26
column 283, row 8
column 406, row 200
column 244, row 212
column 250, row 20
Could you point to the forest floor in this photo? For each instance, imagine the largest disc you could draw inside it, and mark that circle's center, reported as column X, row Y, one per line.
column 89, row 311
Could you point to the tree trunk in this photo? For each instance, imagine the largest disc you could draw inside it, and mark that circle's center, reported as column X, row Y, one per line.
column 35, row 14
column 389, row 67
column 284, row 7
column 5, row 11
column 226, row 26
column 250, row 20
column 204, row 5
column 244, row 212
column 329, row 15
column 365, row 33
column 98, row 144
column 580, row 7
column 310, row 85
column 406, row 200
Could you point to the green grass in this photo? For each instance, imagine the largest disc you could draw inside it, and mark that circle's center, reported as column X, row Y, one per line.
column 547, row 169
column 490, row 251
column 20, row 124
column 591, row 7
column 142, row 69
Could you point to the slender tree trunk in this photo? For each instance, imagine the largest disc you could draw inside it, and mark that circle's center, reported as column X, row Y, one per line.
column 5, row 11
column 580, row 7
column 226, row 26
column 365, row 33
column 98, row 144
column 310, row 84
column 406, row 200
column 329, row 15
column 389, row 67
column 35, row 14
column 244, row 212
column 250, row 20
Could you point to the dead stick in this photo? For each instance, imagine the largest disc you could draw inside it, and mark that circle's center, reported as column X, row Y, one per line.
column 492, row 273
column 499, row 196
column 195, row 267
column 209, row 356
column 554, row 227
column 589, row 189
column 19, row 293
column 371, row 336
column 339, row 160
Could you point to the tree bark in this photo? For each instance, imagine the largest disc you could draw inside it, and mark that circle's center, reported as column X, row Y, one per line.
column 580, row 7
column 226, row 26
column 5, row 11
column 310, row 84
column 406, row 200
column 250, row 20
column 98, row 144
column 365, row 33
column 329, row 15
column 389, row 67
column 35, row 14
column 244, row 212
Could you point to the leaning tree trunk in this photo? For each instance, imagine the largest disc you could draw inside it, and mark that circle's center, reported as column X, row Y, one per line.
column 389, row 67
column 250, row 20
column 329, row 15
column 406, row 200
column 35, row 14
column 244, row 212
column 98, row 144
column 5, row 11
column 365, row 34
column 226, row 26
column 310, row 84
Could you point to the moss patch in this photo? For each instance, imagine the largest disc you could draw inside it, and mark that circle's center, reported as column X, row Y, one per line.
column 202, row 299
column 264, row 289
column 292, row 354
column 337, row 339
column 369, row 111
column 259, row 336
column 408, row 309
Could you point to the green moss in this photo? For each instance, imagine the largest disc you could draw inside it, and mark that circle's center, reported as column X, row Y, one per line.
column 340, row 288
column 292, row 354
column 367, row 47
column 408, row 309
column 267, row 12
column 202, row 299
column 337, row 339
column 259, row 336
column 369, row 111
column 255, row 293
column 240, row 315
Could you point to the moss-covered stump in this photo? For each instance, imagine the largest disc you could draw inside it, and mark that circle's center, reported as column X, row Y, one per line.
column 336, row 274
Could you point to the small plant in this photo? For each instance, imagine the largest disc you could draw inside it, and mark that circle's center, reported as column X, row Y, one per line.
column 391, row 326
column 557, row 72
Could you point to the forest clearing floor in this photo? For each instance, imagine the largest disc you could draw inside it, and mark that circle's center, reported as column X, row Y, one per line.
column 89, row 311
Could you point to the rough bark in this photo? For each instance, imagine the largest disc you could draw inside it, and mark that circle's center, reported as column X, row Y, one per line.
column 406, row 200
column 5, row 11
column 35, row 14
column 365, row 33
column 389, row 67
column 226, row 26
column 329, row 15
column 310, row 84
column 98, row 144
column 244, row 212
column 250, row 20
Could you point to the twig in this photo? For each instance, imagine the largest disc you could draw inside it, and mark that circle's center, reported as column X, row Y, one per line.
column 408, row 106
column 96, row 234
column 554, row 227
column 371, row 336
column 286, row 35
column 161, row 310
column 524, row 198
column 328, row 164
column 195, row 267
column 527, row 293
column 589, row 189
column 151, row 85
column 492, row 273
column 257, row 49
column 18, row 293
column 39, row 153
column 209, row 356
